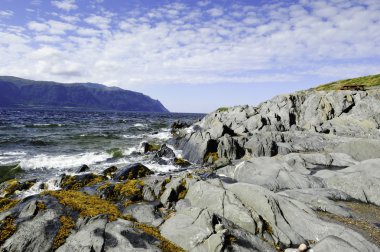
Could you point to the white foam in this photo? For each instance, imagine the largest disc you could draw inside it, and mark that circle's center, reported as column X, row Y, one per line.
column 51, row 185
column 161, row 168
column 140, row 125
column 62, row 162
column 163, row 135
column 133, row 136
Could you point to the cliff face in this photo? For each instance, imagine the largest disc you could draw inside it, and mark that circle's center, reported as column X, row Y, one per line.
column 16, row 92
column 301, row 122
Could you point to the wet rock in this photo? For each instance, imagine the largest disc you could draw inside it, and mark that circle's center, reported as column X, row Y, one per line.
column 109, row 171
column 149, row 147
column 77, row 182
column 132, row 171
column 83, row 168
column 165, row 151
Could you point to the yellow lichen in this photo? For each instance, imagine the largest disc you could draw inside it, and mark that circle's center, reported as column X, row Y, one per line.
column 86, row 205
column 6, row 204
column 165, row 244
column 7, row 229
column 67, row 224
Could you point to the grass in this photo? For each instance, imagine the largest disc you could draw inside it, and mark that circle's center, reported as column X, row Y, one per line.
column 86, row 205
column 352, row 84
column 222, row 109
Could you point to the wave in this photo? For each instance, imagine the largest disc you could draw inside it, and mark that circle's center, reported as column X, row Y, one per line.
column 63, row 162
column 163, row 135
column 44, row 125
column 140, row 125
column 139, row 136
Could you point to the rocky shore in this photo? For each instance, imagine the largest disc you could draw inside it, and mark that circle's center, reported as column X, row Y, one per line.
column 299, row 172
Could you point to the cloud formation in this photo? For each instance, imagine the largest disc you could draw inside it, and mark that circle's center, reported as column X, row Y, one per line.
column 206, row 43
column 66, row 5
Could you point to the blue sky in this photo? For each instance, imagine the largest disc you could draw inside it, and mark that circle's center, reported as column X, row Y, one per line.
column 194, row 56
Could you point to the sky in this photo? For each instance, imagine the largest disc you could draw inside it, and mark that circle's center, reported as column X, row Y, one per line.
column 194, row 55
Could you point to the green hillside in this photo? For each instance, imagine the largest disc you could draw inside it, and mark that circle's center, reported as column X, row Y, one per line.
column 361, row 83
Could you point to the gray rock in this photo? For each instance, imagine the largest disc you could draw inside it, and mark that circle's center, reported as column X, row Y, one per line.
column 120, row 236
column 361, row 181
column 34, row 235
column 165, row 151
column 360, row 149
column 144, row 213
column 89, row 237
column 271, row 173
column 333, row 243
column 188, row 228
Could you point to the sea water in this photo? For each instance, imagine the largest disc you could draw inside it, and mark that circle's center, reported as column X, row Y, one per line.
column 47, row 143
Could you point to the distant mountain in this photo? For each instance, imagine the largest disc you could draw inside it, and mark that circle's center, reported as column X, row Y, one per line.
column 23, row 93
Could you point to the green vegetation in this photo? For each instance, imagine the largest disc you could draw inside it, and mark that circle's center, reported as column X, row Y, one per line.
column 151, row 147
column 86, row 205
column 67, row 224
column 7, row 229
column 116, row 152
column 222, row 109
column 8, row 172
column 361, row 83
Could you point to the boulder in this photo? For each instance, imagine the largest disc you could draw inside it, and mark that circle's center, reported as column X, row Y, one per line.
column 132, row 171
column 165, row 151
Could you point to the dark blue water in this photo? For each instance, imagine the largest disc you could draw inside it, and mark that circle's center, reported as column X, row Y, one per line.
column 50, row 142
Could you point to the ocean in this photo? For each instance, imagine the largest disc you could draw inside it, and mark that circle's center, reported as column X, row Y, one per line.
column 47, row 143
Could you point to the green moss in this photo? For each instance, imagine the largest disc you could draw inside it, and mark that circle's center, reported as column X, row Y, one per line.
column 67, row 224
column 7, row 229
column 222, row 109
column 165, row 245
column 116, row 152
column 6, row 204
column 352, row 84
column 8, row 172
column 77, row 183
column 214, row 156
column 86, row 205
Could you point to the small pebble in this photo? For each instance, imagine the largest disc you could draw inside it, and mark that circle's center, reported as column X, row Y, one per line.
column 302, row 247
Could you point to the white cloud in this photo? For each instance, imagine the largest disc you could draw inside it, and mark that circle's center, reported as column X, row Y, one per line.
column 179, row 44
column 215, row 12
column 36, row 26
column 6, row 13
column 98, row 21
column 66, row 5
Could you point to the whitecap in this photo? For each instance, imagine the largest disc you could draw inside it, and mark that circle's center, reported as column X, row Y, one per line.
column 62, row 162
column 140, row 125
column 133, row 136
